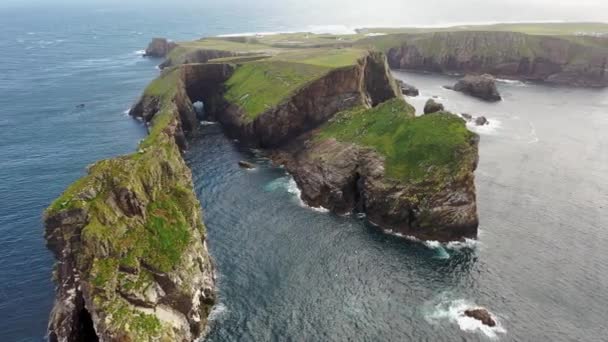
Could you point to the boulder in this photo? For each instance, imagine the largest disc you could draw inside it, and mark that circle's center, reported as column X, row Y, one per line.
column 482, row 315
column 246, row 165
column 432, row 107
column 159, row 47
column 483, row 87
column 481, row 120
column 467, row 117
column 408, row 89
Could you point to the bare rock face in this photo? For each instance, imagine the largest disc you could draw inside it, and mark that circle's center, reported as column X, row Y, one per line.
column 408, row 89
column 346, row 177
column 483, row 87
column 367, row 83
column 432, row 106
column 481, row 120
column 159, row 47
column 481, row 315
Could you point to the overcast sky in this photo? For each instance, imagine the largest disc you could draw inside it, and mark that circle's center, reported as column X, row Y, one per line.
column 376, row 12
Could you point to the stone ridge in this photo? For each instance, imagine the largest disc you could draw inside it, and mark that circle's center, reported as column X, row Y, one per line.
column 132, row 261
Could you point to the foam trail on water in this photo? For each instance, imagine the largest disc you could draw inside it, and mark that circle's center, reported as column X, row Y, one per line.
column 288, row 184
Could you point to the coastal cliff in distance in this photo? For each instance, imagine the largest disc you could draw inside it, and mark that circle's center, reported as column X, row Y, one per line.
column 564, row 60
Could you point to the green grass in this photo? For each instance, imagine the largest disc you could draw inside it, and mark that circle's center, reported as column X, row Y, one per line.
column 258, row 86
column 528, row 28
column 415, row 148
column 332, row 58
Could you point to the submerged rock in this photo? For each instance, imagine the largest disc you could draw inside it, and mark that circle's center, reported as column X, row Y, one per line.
column 467, row 117
column 432, row 106
column 482, row 315
column 483, row 87
column 159, row 47
column 246, row 165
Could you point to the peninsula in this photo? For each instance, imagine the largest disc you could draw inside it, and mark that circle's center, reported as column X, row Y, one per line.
column 129, row 239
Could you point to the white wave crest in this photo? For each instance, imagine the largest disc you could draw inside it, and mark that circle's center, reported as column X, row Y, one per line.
column 453, row 311
column 491, row 128
column 208, row 123
column 466, row 244
column 292, row 188
column 511, row 82
column 139, row 52
column 217, row 312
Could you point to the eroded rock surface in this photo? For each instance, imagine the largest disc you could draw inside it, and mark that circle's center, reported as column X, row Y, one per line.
column 480, row 86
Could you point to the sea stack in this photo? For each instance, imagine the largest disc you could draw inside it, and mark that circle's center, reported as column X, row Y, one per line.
column 482, row 87
column 159, row 47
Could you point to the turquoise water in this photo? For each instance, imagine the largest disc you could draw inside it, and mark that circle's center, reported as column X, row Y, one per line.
column 288, row 272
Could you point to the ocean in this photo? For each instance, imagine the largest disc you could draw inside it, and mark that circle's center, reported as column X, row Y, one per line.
column 286, row 271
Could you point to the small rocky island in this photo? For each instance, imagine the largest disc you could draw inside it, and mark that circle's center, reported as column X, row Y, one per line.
column 129, row 239
column 480, row 86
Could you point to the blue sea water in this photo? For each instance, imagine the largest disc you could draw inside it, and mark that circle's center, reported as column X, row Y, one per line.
column 288, row 272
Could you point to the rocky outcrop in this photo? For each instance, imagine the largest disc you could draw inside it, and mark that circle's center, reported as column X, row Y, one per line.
column 159, row 47
column 480, row 86
column 132, row 261
column 431, row 106
column 481, row 120
column 246, row 165
column 408, row 89
column 482, row 315
column 512, row 55
column 345, row 177
column 367, row 83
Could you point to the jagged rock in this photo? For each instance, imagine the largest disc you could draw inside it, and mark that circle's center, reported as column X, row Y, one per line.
column 246, row 165
column 408, row 89
column 159, row 47
column 483, row 87
column 467, row 117
column 482, row 315
column 432, row 107
column 481, row 120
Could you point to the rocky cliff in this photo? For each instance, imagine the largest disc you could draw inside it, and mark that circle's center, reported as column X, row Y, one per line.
column 414, row 176
column 132, row 261
column 565, row 60
column 366, row 82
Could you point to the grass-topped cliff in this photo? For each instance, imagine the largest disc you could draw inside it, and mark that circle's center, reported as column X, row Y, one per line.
column 130, row 242
column 415, row 148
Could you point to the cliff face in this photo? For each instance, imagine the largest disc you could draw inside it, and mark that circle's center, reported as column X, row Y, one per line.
column 344, row 176
column 159, row 47
column 367, row 83
column 132, row 261
column 557, row 60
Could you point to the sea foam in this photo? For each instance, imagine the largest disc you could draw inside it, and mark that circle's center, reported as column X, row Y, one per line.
column 452, row 310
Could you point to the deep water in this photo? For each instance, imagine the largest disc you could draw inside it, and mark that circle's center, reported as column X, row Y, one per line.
column 287, row 272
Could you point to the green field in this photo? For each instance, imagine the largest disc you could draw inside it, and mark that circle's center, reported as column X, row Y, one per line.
column 416, row 148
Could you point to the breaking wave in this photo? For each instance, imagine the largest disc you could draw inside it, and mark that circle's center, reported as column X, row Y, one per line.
column 288, row 184
column 443, row 309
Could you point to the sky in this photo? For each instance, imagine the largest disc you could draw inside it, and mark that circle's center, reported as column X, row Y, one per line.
column 376, row 12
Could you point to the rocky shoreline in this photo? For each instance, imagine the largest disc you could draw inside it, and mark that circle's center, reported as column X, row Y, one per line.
column 132, row 261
